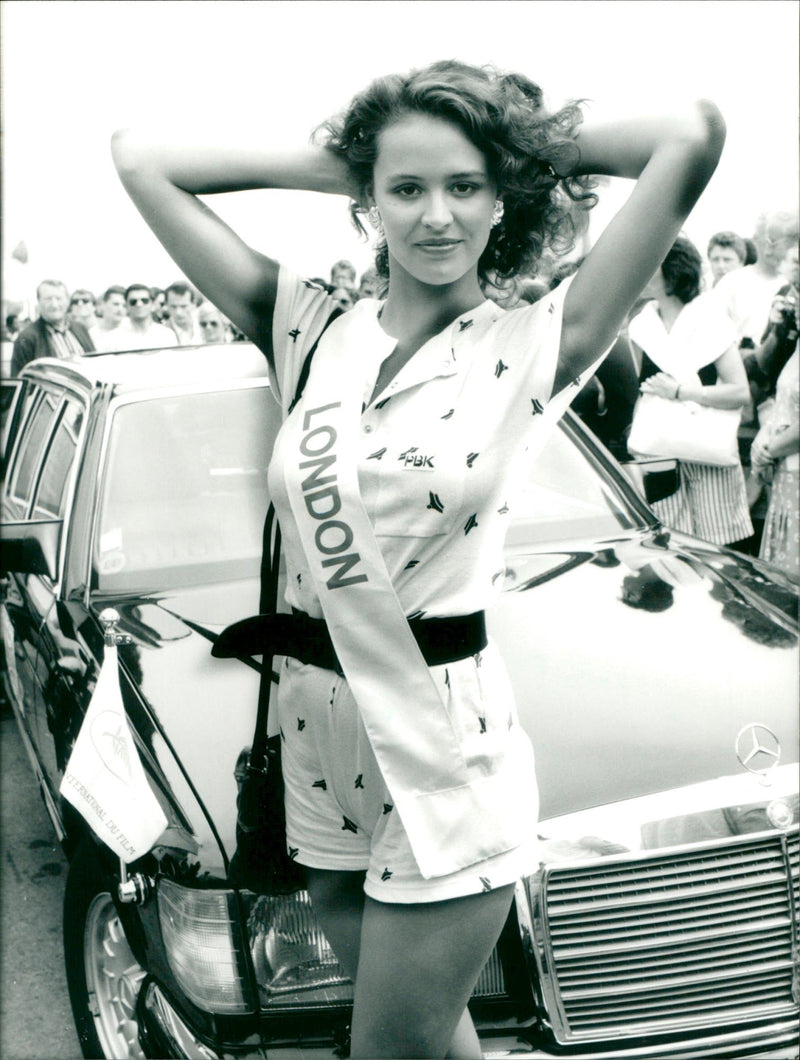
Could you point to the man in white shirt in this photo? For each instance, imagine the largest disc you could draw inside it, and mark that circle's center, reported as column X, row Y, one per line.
column 180, row 310
column 139, row 331
column 111, row 313
column 746, row 294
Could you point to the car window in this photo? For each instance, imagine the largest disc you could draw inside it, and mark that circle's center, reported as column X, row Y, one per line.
column 32, row 441
column 52, row 493
column 569, row 493
column 10, row 391
column 184, row 489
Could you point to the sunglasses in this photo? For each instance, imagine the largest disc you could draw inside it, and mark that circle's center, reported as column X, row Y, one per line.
column 138, row 301
column 80, row 301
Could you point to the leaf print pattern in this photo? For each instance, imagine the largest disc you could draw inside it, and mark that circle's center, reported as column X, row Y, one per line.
column 500, row 368
column 434, row 504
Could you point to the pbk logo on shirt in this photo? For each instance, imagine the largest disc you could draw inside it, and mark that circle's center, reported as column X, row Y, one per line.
column 413, row 460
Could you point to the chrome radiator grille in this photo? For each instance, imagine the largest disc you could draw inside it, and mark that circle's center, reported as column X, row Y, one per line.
column 669, row 941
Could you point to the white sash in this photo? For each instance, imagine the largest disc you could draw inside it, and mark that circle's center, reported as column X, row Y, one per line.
column 453, row 816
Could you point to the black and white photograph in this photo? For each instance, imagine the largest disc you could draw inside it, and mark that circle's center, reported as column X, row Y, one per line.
column 400, row 530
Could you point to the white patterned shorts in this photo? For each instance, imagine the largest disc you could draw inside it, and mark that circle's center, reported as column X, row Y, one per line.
column 339, row 812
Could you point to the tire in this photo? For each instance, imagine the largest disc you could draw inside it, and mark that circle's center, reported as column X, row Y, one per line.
column 103, row 976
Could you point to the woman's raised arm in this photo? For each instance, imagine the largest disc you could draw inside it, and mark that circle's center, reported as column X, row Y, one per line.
column 672, row 160
column 164, row 180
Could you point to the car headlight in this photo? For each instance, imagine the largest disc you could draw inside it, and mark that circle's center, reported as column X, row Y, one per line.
column 205, row 947
column 293, row 963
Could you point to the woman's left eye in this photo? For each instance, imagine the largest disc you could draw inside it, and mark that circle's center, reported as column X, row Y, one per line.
column 464, row 189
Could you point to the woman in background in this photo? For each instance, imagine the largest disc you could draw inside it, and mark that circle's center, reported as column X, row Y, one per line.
column 689, row 353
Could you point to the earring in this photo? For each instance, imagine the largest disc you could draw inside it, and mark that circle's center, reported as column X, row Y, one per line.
column 374, row 217
column 497, row 213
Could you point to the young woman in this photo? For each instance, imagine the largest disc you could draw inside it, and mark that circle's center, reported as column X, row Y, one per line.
column 410, row 785
column 690, row 353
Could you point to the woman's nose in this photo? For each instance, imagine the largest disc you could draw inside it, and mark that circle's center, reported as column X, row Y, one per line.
column 437, row 213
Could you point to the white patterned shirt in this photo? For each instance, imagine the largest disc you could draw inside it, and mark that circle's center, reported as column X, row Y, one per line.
column 440, row 447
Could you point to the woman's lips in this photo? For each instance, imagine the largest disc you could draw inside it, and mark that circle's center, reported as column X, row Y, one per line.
column 439, row 247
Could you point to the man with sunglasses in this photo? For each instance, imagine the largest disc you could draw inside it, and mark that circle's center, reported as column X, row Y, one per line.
column 82, row 308
column 139, row 331
column 51, row 334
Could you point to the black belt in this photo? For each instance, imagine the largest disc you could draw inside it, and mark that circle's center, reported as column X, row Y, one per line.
column 441, row 640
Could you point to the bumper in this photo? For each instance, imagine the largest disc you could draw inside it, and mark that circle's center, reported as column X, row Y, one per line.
column 164, row 1034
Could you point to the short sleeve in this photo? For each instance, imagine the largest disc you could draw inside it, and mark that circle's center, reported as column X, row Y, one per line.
column 532, row 335
column 529, row 340
column 302, row 309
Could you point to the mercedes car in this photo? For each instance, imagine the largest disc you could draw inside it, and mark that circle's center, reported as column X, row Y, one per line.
column 655, row 673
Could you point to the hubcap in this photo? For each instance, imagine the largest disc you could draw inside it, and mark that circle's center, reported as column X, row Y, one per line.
column 113, row 978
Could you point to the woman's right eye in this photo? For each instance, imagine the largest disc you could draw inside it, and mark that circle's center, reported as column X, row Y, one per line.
column 407, row 191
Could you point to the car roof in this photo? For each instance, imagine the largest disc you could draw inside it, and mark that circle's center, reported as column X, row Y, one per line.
column 153, row 369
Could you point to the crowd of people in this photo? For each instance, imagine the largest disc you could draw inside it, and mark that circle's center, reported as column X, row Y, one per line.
column 745, row 293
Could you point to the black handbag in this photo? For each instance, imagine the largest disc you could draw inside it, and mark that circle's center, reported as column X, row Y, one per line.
column 261, row 862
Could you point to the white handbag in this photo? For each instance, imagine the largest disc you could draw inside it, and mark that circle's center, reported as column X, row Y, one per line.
column 684, row 430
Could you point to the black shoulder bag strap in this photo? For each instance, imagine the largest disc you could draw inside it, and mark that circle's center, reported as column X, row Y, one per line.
column 270, row 570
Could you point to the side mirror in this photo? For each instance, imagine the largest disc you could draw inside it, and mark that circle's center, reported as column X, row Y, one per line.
column 654, row 479
column 30, row 546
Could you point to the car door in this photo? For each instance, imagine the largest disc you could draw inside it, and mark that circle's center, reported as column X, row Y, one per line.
column 50, row 663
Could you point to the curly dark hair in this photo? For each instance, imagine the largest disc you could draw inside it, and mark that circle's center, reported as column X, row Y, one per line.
column 682, row 270
column 529, row 152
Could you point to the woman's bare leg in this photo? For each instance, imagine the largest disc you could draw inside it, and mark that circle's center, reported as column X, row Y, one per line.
column 338, row 902
column 417, row 968
column 465, row 1043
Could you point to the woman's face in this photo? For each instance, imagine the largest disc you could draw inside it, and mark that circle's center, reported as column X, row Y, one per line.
column 435, row 195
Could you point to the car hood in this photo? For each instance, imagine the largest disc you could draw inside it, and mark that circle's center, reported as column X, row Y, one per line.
column 646, row 671
column 636, row 664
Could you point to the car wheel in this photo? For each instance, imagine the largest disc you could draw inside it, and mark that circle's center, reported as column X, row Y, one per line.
column 103, row 976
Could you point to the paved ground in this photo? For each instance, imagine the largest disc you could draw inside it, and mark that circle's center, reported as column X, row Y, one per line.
column 35, row 1016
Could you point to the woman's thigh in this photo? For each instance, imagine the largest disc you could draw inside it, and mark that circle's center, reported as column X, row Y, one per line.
column 417, row 968
column 338, row 902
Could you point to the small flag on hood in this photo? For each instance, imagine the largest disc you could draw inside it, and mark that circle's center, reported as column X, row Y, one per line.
column 105, row 780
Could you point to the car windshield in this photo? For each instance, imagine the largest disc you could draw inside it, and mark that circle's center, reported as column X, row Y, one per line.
column 572, row 494
column 184, row 491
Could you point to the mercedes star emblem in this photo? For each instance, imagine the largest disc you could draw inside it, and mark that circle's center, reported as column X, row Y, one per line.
column 758, row 748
